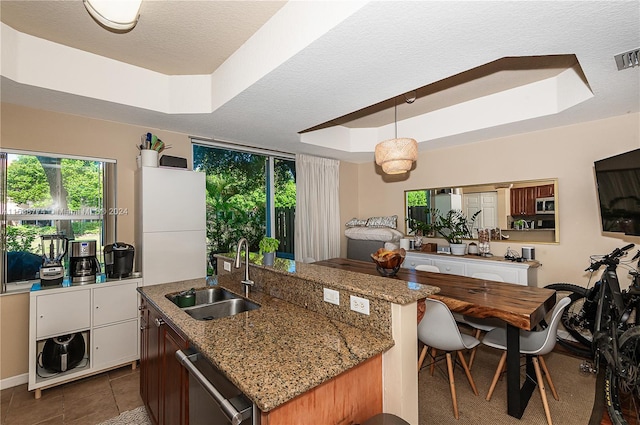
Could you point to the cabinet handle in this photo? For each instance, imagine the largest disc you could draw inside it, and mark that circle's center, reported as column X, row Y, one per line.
column 159, row 322
column 141, row 307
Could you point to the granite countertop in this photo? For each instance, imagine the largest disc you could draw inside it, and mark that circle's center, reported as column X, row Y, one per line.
column 276, row 352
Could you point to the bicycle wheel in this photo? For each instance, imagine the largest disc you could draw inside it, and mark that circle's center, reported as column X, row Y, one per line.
column 622, row 390
column 575, row 334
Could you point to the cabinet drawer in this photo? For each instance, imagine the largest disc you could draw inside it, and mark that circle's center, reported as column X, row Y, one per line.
column 496, row 273
column 450, row 267
column 410, row 262
column 63, row 313
column 114, row 304
column 115, row 344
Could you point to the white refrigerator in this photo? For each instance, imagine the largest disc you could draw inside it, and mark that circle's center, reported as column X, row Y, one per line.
column 171, row 240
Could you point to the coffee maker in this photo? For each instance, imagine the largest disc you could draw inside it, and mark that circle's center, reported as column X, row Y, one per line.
column 118, row 260
column 83, row 264
column 52, row 270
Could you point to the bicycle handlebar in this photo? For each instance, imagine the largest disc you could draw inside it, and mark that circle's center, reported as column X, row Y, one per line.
column 609, row 259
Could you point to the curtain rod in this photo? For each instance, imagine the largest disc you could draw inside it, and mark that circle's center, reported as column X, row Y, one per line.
column 238, row 146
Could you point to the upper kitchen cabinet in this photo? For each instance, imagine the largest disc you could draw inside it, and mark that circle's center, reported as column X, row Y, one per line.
column 523, row 201
column 170, row 224
column 545, row 191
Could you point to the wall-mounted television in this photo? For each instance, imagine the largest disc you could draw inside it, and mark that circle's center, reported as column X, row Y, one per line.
column 618, row 183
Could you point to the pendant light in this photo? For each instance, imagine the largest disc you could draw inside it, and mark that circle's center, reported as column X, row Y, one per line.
column 396, row 156
column 118, row 15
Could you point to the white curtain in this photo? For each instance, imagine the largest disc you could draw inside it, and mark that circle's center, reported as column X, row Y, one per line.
column 317, row 208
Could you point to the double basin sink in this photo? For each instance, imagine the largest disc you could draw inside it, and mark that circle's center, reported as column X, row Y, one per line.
column 211, row 303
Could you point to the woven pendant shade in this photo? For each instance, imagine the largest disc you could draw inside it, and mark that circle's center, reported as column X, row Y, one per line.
column 396, row 156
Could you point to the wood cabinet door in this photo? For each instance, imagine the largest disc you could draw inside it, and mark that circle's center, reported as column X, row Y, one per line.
column 529, row 201
column 144, row 352
column 154, row 367
column 176, row 380
column 545, row 191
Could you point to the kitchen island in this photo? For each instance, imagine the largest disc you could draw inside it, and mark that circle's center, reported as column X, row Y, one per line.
column 295, row 342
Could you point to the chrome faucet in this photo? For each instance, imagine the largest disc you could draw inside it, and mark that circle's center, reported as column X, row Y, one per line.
column 246, row 282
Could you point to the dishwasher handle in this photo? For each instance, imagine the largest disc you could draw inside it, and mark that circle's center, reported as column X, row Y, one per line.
column 227, row 408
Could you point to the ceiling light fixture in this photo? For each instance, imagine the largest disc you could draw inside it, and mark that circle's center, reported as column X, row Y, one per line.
column 119, row 15
column 396, row 156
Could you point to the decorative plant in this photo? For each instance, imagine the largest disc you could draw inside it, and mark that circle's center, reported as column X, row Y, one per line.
column 454, row 226
column 418, row 227
column 268, row 244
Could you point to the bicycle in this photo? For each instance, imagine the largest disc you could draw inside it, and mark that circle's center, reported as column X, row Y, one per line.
column 603, row 323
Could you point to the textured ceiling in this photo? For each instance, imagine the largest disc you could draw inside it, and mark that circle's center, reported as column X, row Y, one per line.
column 314, row 62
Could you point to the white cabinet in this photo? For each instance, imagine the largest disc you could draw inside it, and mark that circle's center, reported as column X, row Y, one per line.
column 62, row 313
column 106, row 315
column 490, row 269
column 171, row 239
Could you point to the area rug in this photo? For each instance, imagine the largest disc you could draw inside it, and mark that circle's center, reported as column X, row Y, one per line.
column 137, row 416
column 576, row 392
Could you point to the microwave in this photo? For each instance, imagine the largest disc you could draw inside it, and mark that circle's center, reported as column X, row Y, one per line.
column 545, row 205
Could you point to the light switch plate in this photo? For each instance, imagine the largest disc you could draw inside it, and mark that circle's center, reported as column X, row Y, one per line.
column 227, row 266
column 361, row 305
column 331, row 296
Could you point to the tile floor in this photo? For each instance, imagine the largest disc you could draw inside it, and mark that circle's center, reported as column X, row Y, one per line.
column 84, row 402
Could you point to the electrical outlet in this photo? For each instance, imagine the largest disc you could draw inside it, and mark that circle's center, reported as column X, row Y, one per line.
column 331, row 296
column 227, row 266
column 361, row 305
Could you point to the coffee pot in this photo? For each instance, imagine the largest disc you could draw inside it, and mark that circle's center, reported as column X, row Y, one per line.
column 83, row 264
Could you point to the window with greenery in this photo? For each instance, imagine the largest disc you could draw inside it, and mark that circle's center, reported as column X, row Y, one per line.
column 249, row 194
column 44, row 194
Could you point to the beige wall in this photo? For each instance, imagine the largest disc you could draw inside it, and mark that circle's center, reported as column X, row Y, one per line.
column 565, row 153
column 14, row 335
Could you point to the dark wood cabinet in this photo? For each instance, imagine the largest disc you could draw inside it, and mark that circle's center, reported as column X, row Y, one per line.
column 163, row 381
column 545, row 191
column 523, row 201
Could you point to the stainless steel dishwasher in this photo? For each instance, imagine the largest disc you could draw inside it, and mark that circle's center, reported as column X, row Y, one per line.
column 213, row 399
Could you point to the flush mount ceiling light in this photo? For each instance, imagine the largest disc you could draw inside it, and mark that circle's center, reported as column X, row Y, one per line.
column 396, row 156
column 119, row 15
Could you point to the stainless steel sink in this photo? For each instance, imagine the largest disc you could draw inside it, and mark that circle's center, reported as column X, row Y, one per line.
column 220, row 309
column 204, row 296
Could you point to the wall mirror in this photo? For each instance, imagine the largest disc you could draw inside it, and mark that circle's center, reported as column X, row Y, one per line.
column 519, row 211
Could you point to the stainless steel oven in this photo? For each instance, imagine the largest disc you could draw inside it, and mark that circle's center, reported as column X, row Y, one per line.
column 213, row 399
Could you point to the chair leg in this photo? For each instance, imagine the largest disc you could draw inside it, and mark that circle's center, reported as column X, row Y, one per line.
column 543, row 393
column 473, row 350
column 423, row 353
column 467, row 372
column 496, row 376
column 548, row 376
column 433, row 363
column 452, row 386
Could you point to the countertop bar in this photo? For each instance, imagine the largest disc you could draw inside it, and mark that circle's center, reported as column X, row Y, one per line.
column 282, row 350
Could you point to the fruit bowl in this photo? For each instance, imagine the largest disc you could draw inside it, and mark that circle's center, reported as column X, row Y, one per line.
column 388, row 262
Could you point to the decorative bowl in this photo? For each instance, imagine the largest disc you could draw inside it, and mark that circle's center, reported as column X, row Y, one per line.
column 388, row 262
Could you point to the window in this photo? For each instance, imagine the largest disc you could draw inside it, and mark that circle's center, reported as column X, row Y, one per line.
column 250, row 193
column 44, row 194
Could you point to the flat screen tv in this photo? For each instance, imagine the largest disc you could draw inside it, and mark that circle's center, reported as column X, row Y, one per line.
column 618, row 182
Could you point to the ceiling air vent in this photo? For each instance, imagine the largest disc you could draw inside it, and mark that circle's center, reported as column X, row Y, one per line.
column 627, row 59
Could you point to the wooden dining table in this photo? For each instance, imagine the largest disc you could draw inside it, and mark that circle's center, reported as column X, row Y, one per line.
column 520, row 307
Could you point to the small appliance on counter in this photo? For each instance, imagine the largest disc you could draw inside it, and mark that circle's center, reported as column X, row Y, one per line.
column 63, row 352
column 83, row 264
column 52, row 270
column 118, row 260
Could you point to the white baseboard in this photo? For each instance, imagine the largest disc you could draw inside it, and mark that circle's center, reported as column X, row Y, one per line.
column 14, row 381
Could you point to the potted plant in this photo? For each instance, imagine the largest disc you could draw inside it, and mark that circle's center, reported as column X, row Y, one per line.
column 454, row 226
column 268, row 247
column 419, row 228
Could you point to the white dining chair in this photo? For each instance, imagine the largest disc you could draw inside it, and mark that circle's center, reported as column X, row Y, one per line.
column 439, row 330
column 533, row 343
